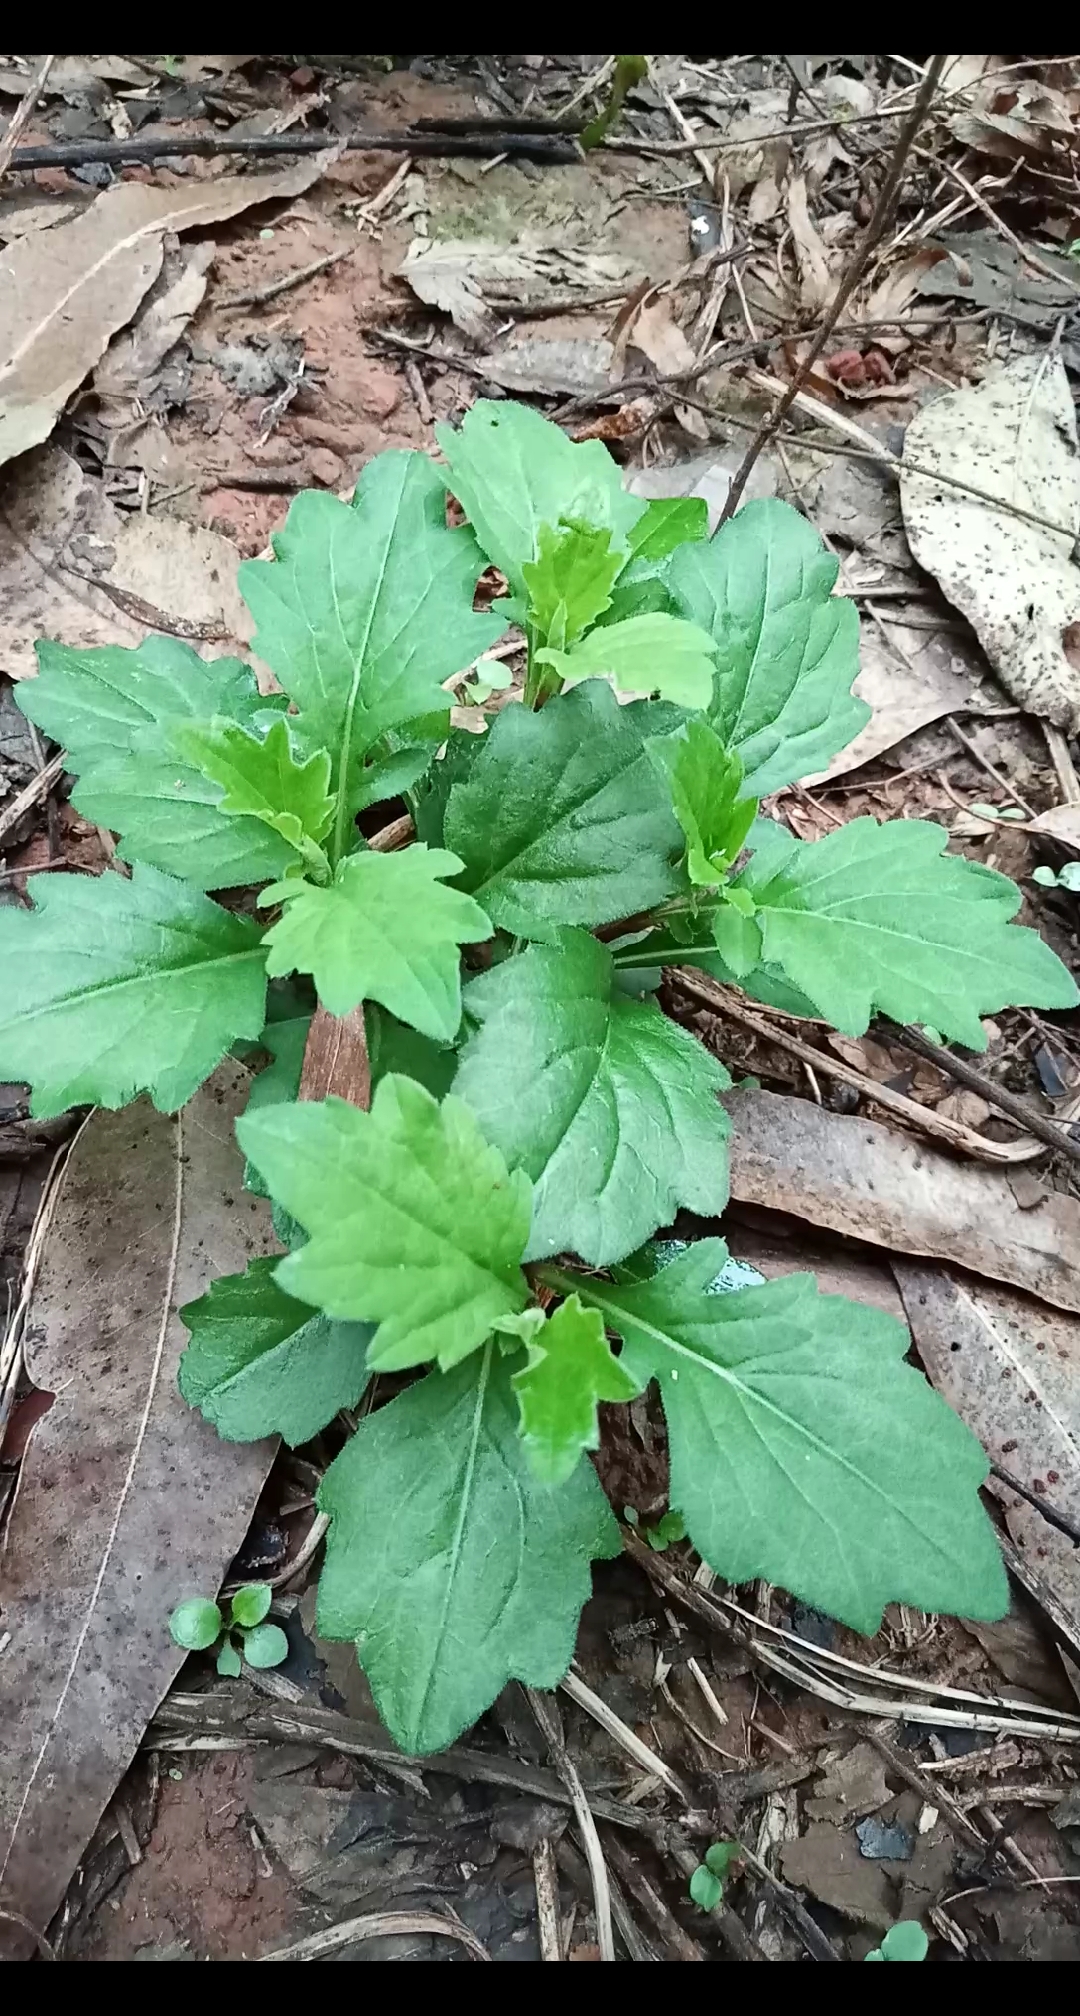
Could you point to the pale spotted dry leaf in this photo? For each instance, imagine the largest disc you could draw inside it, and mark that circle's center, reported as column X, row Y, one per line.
column 1017, row 583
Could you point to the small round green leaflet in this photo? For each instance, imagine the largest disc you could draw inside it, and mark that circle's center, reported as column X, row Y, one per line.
column 195, row 1624
column 904, row 1941
column 267, row 1645
column 250, row 1604
column 707, row 1881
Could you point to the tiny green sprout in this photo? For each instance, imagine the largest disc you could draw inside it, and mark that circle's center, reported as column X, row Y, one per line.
column 707, row 1881
column 489, row 677
column 996, row 812
column 199, row 1626
column 667, row 1530
column 1067, row 877
column 903, row 1941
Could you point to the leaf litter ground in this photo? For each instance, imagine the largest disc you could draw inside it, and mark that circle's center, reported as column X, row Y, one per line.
column 625, row 1643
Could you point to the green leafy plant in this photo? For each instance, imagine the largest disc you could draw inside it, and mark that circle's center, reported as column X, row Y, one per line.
column 535, row 1118
column 708, row 1879
column 1067, row 877
column 905, row 1940
column 199, row 1626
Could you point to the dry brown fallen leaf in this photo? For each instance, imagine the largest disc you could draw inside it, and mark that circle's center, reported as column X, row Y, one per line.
column 1017, row 583
column 128, row 1501
column 64, row 292
column 884, row 1188
column 816, row 282
column 128, row 371
column 1011, row 1369
column 909, row 678
column 75, row 569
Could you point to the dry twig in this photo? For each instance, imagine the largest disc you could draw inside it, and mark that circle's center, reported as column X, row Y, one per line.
column 21, row 116
column 547, row 1719
column 856, row 267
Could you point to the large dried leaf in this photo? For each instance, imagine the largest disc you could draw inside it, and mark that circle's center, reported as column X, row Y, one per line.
column 1017, row 583
column 63, row 293
column 128, row 1501
column 75, row 569
column 1011, row 1370
column 873, row 1184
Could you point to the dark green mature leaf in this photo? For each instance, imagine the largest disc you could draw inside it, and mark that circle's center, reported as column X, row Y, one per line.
column 414, row 1222
column 705, row 780
column 571, row 1368
column 277, row 1081
column 394, row 1047
column 645, row 654
column 112, row 988
column 449, row 1563
column 570, row 581
column 363, row 613
column 608, row 1105
column 880, row 918
column 668, row 522
column 116, row 711
column 265, row 778
column 788, row 648
column 514, row 472
column 388, row 930
column 803, row 1449
column 259, row 1363
column 562, row 818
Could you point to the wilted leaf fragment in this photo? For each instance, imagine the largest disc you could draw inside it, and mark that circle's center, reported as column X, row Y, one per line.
column 787, row 648
column 453, row 1567
column 513, row 472
column 606, row 1103
column 414, row 1222
column 571, row 1367
column 259, row 1363
column 387, row 930
column 803, row 1449
column 880, row 918
column 112, row 988
column 562, row 818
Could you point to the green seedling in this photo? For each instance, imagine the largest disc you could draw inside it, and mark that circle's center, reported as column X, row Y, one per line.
column 199, row 1626
column 903, row 1941
column 487, row 1225
column 708, row 1879
column 1067, row 877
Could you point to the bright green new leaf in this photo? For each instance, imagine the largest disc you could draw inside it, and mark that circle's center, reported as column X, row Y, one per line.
column 645, row 654
column 195, row 1624
column 571, row 1367
column 264, row 778
column 116, row 711
column 258, row 1363
column 453, row 1567
column 250, row 1604
column 668, row 522
column 414, row 1222
column 787, row 647
column 905, row 1940
column 570, row 581
column 803, row 1449
column 364, row 611
column 738, row 940
column 112, row 988
column 228, row 1662
column 706, row 1890
column 880, row 918
column 562, row 818
column 266, row 1645
column 388, row 930
column 514, row 472
column 705, row 781
column 606, row 1103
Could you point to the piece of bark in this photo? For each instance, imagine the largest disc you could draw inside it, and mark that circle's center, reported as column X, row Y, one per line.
column 336, row 1059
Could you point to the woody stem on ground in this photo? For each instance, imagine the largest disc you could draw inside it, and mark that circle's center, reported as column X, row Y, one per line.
column 849, row 280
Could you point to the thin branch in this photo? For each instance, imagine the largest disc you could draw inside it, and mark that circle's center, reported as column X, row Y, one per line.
column 118, row 153
column 887, row 195
column 547, row 1719
column 1050, row 1131
column 20, row 118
